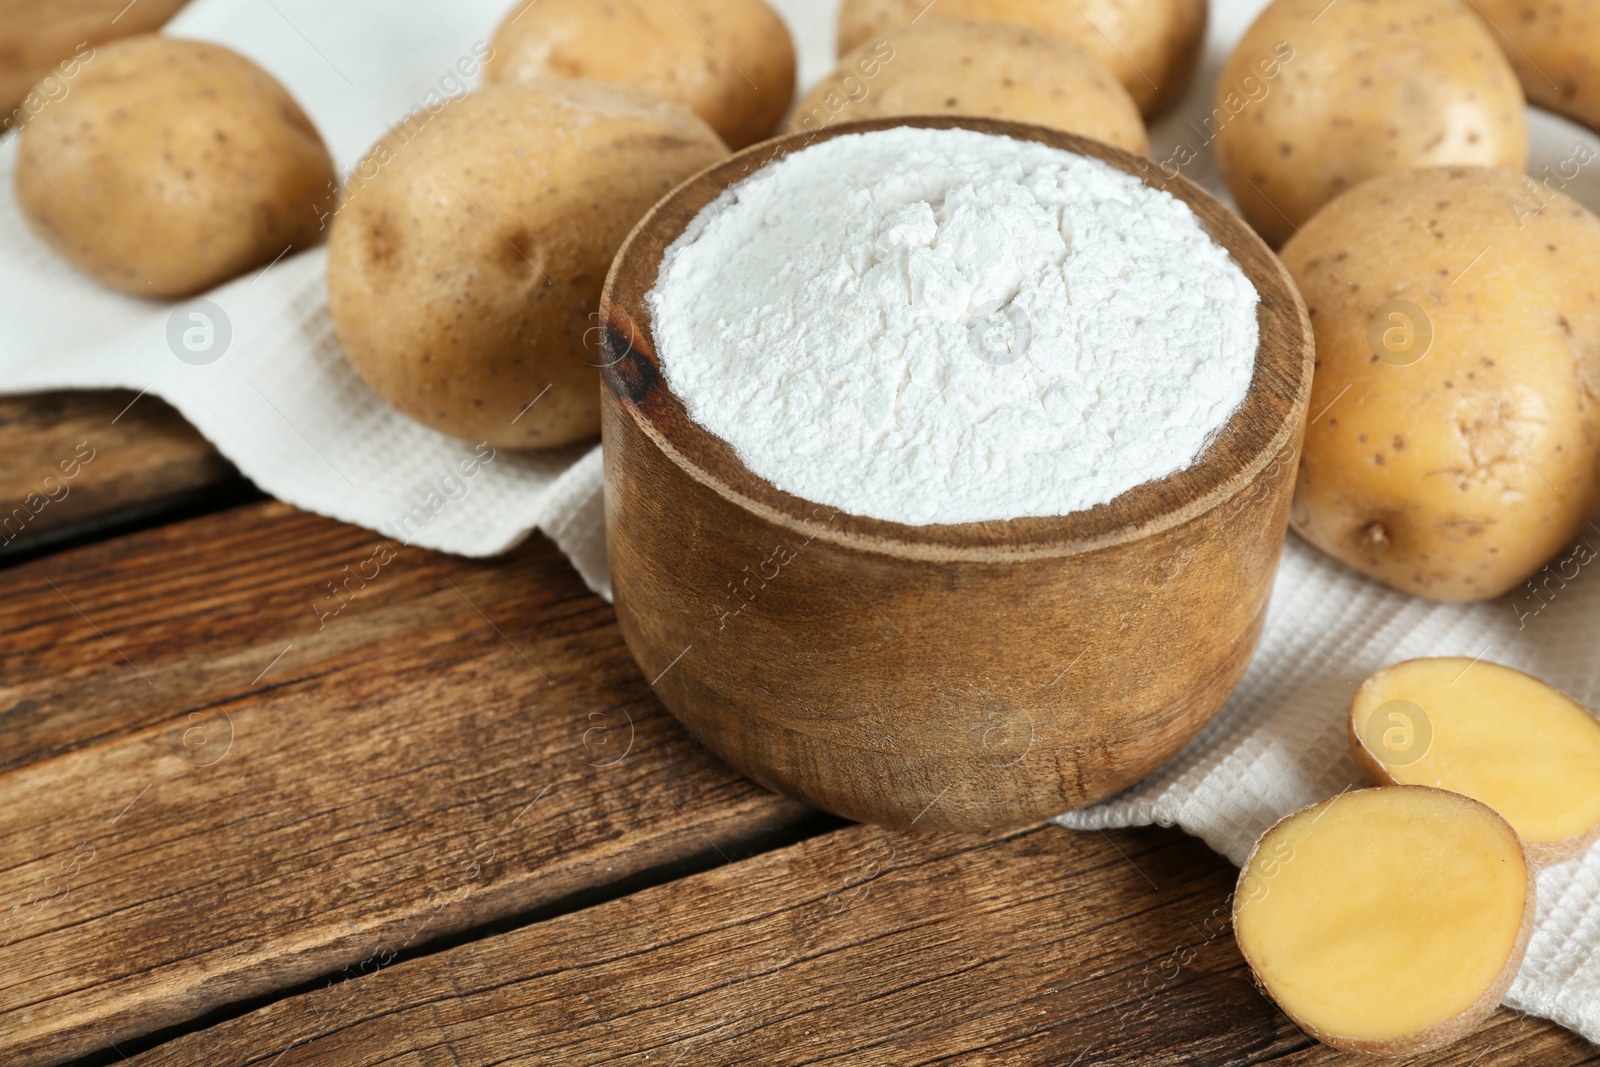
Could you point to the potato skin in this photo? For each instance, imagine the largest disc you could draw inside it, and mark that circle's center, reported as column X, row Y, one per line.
column 1441, row 1035
column 35, row 38
column 1541, row 854
column 1150, row 46
column 1450, row 468
column 731, row 61
column 1368, row 88
column 998, row 70
column 172, row 166
column 1555, row 50
column 466, row 264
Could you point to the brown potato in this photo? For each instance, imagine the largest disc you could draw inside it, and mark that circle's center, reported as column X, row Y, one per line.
column 1364, row 87
column 1151, row 46
column 465, row 267
column 171, row 166
column 998, row 70
column 1555, row 50
column 1455, row 433
column 36, row 38
column 731, row 61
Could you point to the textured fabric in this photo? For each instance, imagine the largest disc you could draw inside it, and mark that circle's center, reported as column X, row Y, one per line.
column 281, row 402
column 1280, row 743
column 284, row 406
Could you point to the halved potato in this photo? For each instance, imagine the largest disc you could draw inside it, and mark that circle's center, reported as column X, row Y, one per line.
column 1495, row 734
column 1386, row 921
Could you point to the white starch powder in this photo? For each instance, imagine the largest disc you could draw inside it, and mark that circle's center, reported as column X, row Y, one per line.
column 940, row 326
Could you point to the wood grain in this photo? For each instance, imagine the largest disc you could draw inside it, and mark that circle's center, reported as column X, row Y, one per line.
column 74, row 459
column 224, row 775
column 37, row 34
column 963, row 676
column 862, row 947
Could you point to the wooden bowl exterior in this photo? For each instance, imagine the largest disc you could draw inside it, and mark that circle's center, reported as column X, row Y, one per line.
column 949, row 677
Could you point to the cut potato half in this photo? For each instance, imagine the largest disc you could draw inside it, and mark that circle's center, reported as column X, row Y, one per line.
column 1495, row 734
column 1387, row 921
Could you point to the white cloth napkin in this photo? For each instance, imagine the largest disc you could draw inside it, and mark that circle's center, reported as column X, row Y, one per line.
column 280, row 400
column 1280, row 743
column 283, row 405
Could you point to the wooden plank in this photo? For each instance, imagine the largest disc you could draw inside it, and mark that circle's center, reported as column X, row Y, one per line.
column 74, row 459
column 859, row 947
column 224, row 774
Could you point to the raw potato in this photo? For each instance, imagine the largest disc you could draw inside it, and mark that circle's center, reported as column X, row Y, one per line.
column 1491, row 733
column 1454, row 445
column 465, row 268
column 35, row 38
column 1366, row 87
column 1151, row 46
column 731, row 61
column 997, row 70
column 172, row 166
column 1555, row 49
column 1386, row 921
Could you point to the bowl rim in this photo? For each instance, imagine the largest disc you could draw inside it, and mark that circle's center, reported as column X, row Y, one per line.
column 1270, row 418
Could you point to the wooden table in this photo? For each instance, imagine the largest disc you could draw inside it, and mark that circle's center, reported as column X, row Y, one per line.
column 250, row 814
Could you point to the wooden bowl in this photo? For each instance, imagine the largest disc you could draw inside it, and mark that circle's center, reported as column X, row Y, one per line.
column 966, row 676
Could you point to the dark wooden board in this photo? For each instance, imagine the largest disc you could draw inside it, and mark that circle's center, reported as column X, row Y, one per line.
column 213, row 786
column 392, row 825
column 861, row 947
column 71, row 460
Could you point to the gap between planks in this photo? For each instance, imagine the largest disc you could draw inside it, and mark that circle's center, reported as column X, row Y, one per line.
column 858, row 947
column 84, row 464
column 371, row 794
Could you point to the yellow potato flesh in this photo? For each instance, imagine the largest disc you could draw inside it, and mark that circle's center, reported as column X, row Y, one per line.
column 1380, row 915
column 1491, row 733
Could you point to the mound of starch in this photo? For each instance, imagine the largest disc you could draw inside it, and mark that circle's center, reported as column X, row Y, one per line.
column 941, row 326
